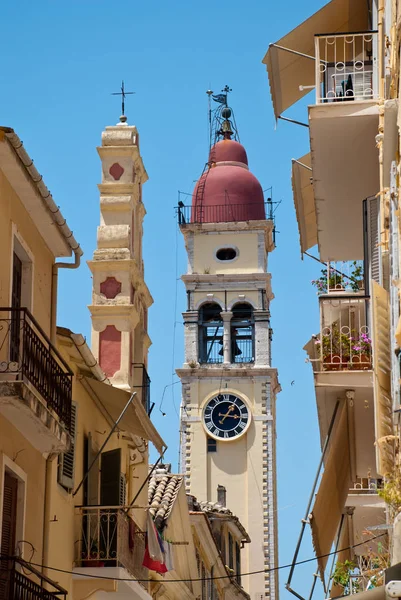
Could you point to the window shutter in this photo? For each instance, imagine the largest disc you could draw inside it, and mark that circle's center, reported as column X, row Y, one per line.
column 92, row 481
column 394, row 291
column 382, row 379
column 123, row 490
column 371, row 218
column 110, row 478
column 9, row 517
column 66, row 462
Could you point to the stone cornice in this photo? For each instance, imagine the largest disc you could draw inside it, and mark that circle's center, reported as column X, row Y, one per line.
column 265, row 226
column 229, row 282
column 123, row 264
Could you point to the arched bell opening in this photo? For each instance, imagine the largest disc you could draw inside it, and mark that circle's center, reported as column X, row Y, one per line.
column 210, row 334
column 242, row 334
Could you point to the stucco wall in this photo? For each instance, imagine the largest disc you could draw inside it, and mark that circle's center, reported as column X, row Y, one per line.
column 12, row 212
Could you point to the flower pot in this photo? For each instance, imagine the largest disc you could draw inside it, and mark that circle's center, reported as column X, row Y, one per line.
column 361, row 362
column 93, row 563
column 333, row 362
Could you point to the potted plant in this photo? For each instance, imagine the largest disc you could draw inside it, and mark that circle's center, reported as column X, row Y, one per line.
column 335, row 348
column 361, row 352
column 330, row 280
column 342, row 576
column 356, row 280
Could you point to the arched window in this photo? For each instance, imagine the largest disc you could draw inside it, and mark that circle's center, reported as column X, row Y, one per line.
column 242, row 334
column 210, row 333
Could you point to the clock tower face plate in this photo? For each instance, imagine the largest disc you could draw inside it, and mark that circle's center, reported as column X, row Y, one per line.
column 226, row 417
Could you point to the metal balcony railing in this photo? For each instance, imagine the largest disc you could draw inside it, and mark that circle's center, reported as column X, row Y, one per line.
column 224, row 213
column 110, row 538
column 366, row 485
column 341, row 276
column 344, row 342
column 26, row 354
column 142, row 385
column 28, row 584
column 346, row 68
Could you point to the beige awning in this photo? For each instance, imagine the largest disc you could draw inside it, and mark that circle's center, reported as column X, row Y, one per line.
column 333, row 489
column 112, row 400
column 287, row 71
column 304, row 200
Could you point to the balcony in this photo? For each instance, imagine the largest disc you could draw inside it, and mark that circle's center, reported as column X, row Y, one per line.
column 20, row 581
column 344, row 343
column 221, row 213
column 108, row 537
column 345, row 69
column 35, row 382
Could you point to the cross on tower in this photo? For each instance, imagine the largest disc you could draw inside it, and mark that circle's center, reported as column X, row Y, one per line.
column 123, row 93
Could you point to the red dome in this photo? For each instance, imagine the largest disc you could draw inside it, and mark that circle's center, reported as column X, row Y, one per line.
column 227, row 192
column 228, row 151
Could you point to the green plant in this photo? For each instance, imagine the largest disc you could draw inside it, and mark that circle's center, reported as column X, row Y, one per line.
column 356, row 276
column 335, row 343
column 342, row 576
column 391, row 491
column 333, row 279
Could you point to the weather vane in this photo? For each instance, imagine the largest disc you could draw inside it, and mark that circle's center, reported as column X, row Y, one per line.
column 123, row 93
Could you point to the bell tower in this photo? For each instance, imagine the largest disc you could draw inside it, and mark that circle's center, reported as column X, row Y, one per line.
column 228, row 384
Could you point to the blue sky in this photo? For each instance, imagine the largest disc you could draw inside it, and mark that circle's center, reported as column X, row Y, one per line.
column 59, row 65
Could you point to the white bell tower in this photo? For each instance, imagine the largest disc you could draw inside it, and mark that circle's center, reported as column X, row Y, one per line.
column 228, row 384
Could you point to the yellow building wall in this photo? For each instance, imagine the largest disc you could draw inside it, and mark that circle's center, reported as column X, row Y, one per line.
column 205, row 246
column 12, row 211
column 23, row 456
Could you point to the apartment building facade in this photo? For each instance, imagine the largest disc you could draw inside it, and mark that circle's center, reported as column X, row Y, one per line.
column 346, row 196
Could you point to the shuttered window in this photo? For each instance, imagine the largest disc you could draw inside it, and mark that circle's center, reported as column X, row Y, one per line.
column 238, row 562
column 230, row 551
column 371, row 232
column 9, row 516
column 123, row 490
column 66, row 461
column 382, row 379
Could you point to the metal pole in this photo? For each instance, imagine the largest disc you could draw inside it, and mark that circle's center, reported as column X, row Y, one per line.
column 105, row 442
column 305, row 520
column 315, row 576
column 335, row 554
column 145, row 481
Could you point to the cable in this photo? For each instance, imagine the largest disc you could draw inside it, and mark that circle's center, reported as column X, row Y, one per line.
column 301, row 562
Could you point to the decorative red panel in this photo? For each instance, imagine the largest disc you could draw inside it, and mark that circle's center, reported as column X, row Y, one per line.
column 110, row 287
column 110, row 350
column 116, row 171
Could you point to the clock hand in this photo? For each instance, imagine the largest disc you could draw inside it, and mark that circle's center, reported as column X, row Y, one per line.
column 230, row 410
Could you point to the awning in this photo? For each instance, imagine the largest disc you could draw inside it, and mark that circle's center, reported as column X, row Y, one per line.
column 304, row 201
column 287, row 71
column 333, row 490
column 112, row 400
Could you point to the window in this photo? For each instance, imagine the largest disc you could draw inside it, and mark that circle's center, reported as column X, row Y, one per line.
column 210, row 334
column 238, row 563
column 226, row 254
column 211, row 444
column 230, row 551
column 66, row 461
column 242, row 334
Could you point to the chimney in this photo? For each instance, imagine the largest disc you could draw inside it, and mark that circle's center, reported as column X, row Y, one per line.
column 221, row 495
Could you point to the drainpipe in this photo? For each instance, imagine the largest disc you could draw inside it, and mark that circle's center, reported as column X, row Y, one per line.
column 46, row 514
column 60, row 265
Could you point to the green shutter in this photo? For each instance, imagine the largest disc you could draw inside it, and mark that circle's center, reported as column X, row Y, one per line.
column 66, row 462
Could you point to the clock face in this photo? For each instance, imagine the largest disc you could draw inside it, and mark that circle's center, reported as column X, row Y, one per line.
column 226, row 417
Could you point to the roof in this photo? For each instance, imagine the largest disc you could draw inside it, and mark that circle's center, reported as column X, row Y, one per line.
column 216, row 509
column 58, row 236
column 162, row 491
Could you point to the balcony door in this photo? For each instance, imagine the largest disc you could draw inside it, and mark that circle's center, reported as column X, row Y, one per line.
column 8, row 531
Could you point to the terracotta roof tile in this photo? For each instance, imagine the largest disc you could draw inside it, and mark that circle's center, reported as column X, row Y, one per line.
column 163, row 489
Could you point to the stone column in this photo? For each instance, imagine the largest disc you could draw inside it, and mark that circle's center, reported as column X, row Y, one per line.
column 262, row 339
column 226, row 316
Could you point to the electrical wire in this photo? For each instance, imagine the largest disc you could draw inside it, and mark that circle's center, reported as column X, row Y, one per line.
column 190, row 580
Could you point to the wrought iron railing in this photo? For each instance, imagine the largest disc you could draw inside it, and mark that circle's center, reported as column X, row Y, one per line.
column 224, row 213
column 110, row 538
column 345, row 67
column 242, row 345
column 340, row 276
column 27, row 354
column 344, row 342
column 21, row 581
column 142, row 385
column 366, row 485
